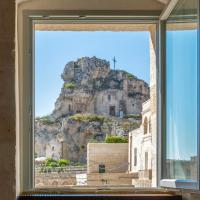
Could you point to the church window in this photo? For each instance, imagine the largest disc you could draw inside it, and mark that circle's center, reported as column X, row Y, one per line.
column 146, row 160
column 150, row 128
column 135, row 156
column 145, row 124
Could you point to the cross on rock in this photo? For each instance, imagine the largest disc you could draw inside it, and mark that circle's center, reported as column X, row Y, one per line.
column 114, row 61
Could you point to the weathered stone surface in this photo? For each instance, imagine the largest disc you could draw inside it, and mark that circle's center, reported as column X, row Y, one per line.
column 91, row 86
column 48, row 139
column 95, row 101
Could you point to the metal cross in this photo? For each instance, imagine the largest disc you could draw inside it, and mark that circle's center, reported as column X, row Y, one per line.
column 114, row 60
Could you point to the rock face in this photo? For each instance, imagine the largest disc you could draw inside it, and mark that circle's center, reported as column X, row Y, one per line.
column 47, row 139
column 95, row 101
column 91, row 86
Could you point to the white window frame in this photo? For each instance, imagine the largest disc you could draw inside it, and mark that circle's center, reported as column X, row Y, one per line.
column 26, row 78
column 173, row 183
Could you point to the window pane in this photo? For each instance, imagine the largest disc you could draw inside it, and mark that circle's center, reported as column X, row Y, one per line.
column 181, row 93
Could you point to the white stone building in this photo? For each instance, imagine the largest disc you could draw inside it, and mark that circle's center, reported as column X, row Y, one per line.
column 143, row 141
column 141, row 149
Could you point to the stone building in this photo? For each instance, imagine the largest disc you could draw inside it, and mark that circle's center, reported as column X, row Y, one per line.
column 107, row 164
column 143, row 141
column 140, row 150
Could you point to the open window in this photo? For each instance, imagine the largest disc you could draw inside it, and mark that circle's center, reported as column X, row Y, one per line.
column 180, row 131
column 91, row 118
column 93, row 90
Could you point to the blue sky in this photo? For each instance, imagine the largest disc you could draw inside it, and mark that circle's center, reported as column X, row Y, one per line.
column 53, row 49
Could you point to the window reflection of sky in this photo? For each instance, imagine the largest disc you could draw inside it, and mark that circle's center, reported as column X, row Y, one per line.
column 181, row 94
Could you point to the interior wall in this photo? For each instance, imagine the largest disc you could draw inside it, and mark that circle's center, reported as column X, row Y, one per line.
column 7, row 100
column 7, row 72
column 91, row 4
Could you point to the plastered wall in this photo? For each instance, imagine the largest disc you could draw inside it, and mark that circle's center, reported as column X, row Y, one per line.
column 9, row 137
column 7, row 100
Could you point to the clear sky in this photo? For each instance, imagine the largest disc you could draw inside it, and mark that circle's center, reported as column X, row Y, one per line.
column 53, row 49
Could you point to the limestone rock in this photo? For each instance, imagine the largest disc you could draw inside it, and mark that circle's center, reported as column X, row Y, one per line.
column 95, row 101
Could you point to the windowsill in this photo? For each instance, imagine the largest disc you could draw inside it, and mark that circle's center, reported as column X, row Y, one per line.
column 101, row 190
column 103, row 193
column 178, row 184
column 102, row 197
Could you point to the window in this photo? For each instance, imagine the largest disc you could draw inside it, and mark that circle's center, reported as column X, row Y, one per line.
column 146, row 160
column 75, row 110
column 112, row 110
column 135, row 156
column 102, row 168
column 67, row 113
column 145, row 125
column 149, row 124
column 181, row 93
column 181, row 107
column 69, row 108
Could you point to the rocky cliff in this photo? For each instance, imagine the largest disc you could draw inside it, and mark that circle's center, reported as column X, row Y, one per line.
column 95, row 101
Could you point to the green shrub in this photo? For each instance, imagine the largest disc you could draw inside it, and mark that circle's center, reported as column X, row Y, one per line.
column 63, row 162
column 137, row 117
column 46, row 120
column 50, row 162
column 69, row 86
column 129, row 75
column 86, row 117
column 116, row 139
column 54, row 164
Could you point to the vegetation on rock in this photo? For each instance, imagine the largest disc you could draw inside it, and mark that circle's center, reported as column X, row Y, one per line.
column 129, row 75
column 46, row 120
column 50, row 162
column 87, row 118
column 136, row 117
column 69, row 86
column 116, row 139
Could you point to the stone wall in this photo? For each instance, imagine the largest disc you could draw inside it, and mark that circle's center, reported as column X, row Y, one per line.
column 113, row 155
column 111, row 179
column 54, row 179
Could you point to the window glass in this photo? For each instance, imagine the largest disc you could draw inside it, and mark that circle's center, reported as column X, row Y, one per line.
column 181, row 92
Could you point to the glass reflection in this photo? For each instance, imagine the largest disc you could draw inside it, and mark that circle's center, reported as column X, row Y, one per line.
column 181, row 93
